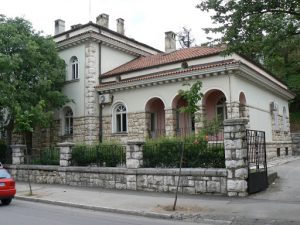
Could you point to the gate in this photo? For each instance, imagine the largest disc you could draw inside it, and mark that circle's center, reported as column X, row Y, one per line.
column 257, row 161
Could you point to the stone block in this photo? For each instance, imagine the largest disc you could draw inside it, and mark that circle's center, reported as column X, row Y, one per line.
column 131, row 178
column 213, row 187
column 241, row 173
column 132, row 163
column 131, row 185
column 200, row 186
column 188, row 190
column 237, row 185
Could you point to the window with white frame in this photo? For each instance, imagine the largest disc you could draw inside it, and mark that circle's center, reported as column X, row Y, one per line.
column 284, row 119
column 120, row 118
column 74, row 68
column 68, row 121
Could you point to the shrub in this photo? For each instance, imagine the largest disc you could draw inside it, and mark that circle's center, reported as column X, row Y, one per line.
column 48, row 156
column 166, row 152
column 110, row 155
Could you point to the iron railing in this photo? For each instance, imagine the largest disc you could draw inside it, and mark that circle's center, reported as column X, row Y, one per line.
column 195, row 155
column 48, row 156
column 99, row 155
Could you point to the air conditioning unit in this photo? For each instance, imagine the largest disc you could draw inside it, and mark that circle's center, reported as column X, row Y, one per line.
column 105, row 99
column 273, row 106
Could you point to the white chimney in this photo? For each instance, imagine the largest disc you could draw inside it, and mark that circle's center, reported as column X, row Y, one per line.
column 170, row 41
column 59, row 26
column 102, row 20
column 120, row 26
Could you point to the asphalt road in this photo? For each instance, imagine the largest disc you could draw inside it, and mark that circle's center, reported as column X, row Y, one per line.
column 30, row 213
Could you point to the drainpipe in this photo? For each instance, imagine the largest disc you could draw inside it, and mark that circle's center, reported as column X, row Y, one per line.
column 100, row 122
column 101, row 105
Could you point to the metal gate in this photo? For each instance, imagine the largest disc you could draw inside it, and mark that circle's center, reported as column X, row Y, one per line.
column 257, row 161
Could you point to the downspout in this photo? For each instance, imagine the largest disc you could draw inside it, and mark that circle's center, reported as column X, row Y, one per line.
column 100, row 105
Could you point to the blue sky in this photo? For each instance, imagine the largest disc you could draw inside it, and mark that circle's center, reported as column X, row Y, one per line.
column 145, row 20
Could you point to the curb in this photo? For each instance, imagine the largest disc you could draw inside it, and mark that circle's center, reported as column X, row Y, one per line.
column 98, row 208
column 176, row 216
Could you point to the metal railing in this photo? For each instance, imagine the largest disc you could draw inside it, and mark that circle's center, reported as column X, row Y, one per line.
column 99, row 155
column 195, row 155
column 48, row 156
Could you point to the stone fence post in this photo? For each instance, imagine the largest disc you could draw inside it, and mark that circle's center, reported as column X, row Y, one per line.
column 65, row 152
column 236, row 156
column 18, row 154
column 134, row 154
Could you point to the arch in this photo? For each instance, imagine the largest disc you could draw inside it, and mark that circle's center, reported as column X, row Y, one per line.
column 184, row 122
column 74, row 67
column 155, row 111
column 214, row 102
column 242, row 105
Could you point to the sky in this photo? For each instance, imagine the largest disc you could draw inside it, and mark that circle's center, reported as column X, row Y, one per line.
column 145, row 20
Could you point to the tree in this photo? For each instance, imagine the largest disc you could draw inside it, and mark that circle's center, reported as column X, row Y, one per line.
column 31, row 75
column 185, row 38
column 192, row 95
column 265, row 31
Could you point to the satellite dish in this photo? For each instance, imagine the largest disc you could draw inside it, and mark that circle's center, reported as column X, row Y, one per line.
column 5, row 114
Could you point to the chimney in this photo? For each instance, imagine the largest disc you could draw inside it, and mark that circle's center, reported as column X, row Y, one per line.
column 102, row 20
column 120, row 26
column 170, row 41
column 59, row 26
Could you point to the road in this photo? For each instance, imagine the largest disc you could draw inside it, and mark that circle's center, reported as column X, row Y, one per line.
column 30, row 213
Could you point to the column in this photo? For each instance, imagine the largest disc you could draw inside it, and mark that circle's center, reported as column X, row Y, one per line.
column 65, row 151
column 18, row 154
column 236, row 156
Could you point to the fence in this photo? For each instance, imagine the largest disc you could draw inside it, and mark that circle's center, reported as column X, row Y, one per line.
column 99, row 155
column 195, row 155
column 49, row 156
column 5, row 154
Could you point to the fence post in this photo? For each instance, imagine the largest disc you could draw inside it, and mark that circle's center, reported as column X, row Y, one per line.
column 18, row 154
column 134, row 154
column 65, row 153
column 236, row 156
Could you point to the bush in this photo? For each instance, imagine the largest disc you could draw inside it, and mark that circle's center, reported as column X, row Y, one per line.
column 48, row 156
column 110, row 155
column 166, row 153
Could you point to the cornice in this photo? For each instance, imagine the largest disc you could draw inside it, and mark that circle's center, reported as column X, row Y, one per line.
column 96, row 37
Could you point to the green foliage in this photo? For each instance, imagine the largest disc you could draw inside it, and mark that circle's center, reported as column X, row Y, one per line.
column 49, row 156
column 165, row 153
column 31, row 76
column 265, row 31
column 192, row 96
column 110, row 155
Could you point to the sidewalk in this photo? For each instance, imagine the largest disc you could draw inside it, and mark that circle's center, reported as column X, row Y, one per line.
column 201, row 208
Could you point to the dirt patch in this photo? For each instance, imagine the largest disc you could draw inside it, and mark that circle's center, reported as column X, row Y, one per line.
column 186, row 209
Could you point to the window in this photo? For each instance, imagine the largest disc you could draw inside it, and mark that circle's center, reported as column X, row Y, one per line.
column 120, row 119
column 68, row 122
column 74, row 68
column 276, row 120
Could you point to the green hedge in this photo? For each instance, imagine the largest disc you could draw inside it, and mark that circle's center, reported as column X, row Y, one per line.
column 166, row 152
column 109, row 155
column 48, row 156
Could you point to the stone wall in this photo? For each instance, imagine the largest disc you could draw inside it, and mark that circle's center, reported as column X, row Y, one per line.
column 193, row 181
column 278, row 149
column 296, row 143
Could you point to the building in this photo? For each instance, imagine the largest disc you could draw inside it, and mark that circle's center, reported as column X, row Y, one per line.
column 125, row 90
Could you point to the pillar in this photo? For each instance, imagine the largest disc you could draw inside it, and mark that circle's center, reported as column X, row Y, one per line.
column 18, row 154
column 65, row 151
column 134, row 154
column 235, row 144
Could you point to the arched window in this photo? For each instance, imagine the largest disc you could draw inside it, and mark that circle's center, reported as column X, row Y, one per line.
column 284, row 119
column 68, row 126
column 74, row 68
column 276, row 120
column 120, row 117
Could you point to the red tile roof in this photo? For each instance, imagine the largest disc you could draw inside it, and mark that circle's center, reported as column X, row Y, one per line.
column 164, row 58
column 171, row 73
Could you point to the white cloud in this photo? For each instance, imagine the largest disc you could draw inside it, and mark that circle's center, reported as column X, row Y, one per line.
column 145, row 21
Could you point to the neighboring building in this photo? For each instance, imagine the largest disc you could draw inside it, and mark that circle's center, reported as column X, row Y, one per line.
column 138, row 88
